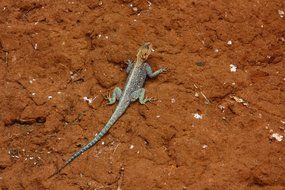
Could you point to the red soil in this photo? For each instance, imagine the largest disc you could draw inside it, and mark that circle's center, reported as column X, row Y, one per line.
column 54, row 54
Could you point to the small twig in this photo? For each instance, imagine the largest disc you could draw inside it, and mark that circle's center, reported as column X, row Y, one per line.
column 116, row 148
column 207, row 100
column 6, row 57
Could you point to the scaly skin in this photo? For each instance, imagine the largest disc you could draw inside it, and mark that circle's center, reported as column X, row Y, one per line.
column 133, row 90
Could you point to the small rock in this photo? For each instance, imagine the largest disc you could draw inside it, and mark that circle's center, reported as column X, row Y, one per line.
column 233, row 68
column 200, row 63
column 277, row 137
column 281, row 13
column 198, row 116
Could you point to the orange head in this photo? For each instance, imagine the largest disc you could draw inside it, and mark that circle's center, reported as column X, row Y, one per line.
column 144, row 51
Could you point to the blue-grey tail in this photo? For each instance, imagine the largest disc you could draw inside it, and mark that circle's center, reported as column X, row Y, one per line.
column 115, row 116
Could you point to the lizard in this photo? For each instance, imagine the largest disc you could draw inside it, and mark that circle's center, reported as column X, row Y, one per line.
column 133, row 91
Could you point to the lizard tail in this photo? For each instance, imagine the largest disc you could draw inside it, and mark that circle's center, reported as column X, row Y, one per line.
column 110, row 123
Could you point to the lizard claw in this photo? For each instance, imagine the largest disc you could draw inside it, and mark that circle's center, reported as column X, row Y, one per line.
column 164, row 69
column 151, row 99
column 128, row 62
column 107, row 97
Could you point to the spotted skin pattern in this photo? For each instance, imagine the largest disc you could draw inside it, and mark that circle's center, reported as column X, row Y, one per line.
column 133, row 90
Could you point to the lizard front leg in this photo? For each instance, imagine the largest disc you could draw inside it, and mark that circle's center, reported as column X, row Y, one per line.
column 152, row 74
column 116, row 95
column 140, row 94
column 130, row 66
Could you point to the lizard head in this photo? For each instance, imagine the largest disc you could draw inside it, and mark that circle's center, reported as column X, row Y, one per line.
column 144, row 51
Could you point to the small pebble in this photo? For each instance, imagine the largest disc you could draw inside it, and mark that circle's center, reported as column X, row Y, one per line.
column 198, row 116
column 200, row 63
column 281, row 13
column 277, row 137
column 229, row 42
column 135, row 9
column 233, row 68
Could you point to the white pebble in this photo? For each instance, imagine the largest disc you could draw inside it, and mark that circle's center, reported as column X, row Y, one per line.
column 221, row 107
column 172, row 100
column 277, row 137
column 205, row 146
column 135, row 9
column 281, row 13
column 49, row 97
column 33, row 93
column 132, row 146
column 103, row 143
column 198, row 116
column 233, row 68
column 229, row 42
column 89, row 100
column 158, row 116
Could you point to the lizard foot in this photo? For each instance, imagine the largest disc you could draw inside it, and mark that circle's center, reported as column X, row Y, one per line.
column 151, row 99
column 116, row 95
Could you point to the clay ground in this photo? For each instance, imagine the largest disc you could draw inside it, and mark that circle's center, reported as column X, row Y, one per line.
column 213, row 127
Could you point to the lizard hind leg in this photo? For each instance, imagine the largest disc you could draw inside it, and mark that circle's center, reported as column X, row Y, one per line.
column 140, row 94
column 116, row 95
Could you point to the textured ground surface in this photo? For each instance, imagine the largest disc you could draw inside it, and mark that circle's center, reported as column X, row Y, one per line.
column 54, row 54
